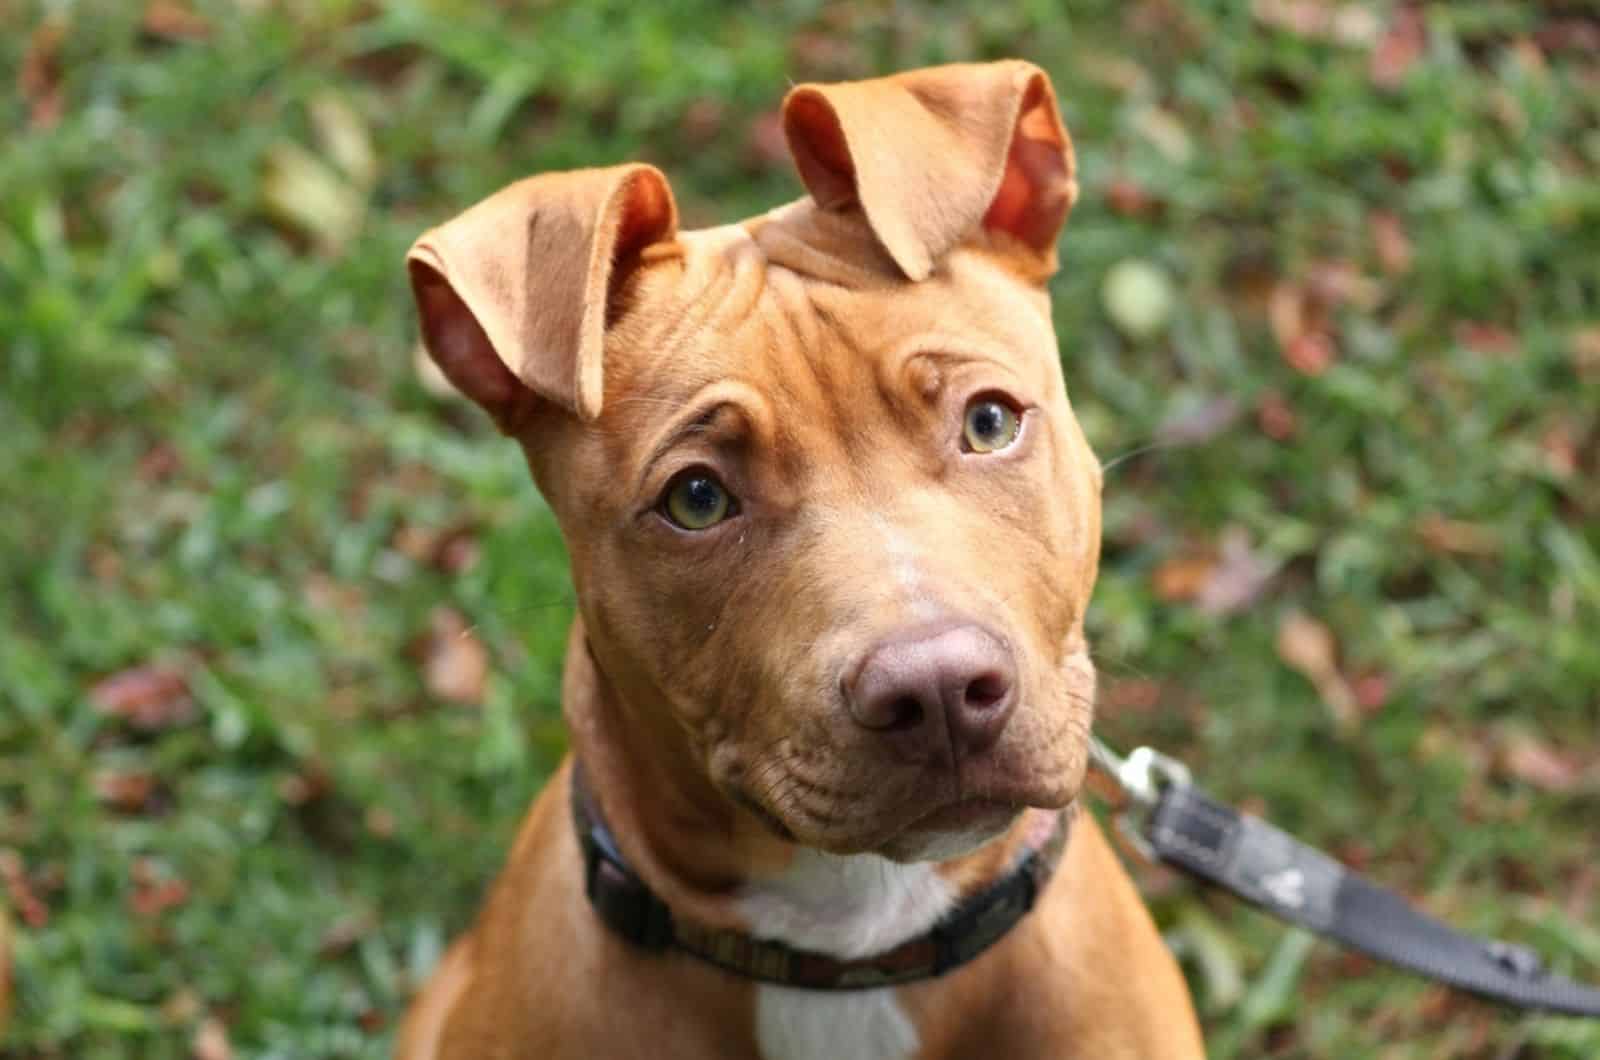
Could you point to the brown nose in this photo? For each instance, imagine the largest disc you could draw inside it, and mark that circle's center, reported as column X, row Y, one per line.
column 954, row 682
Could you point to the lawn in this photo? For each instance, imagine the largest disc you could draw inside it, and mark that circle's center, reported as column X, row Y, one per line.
column 280, row 626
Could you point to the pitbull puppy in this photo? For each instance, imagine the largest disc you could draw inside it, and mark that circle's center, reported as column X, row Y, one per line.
column 833, row 529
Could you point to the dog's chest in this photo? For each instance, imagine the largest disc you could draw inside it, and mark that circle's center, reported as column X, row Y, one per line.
column 847, row 907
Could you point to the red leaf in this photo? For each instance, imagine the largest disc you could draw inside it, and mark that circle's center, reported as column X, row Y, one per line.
column 455, row 664
column 1398, row 49
column 146, row 697
column 1390, row 241
column 1277, row 417
column 1311, row 353
column 39, row 74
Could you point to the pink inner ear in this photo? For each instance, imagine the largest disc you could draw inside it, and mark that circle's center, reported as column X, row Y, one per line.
column 1036, row 188
column 458, row 343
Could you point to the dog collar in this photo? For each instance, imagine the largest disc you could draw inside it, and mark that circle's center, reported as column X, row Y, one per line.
column 627, row 906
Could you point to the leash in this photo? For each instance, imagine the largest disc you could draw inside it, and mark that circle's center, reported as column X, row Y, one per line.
column 1168, row 819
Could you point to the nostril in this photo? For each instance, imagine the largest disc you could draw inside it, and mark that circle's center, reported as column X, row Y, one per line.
column 986, row 690
column 904, row 713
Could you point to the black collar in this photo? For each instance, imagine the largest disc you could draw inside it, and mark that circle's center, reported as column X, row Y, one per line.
column 628, row 907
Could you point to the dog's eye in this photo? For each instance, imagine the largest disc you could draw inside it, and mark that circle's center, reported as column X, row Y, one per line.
column 990, row 425
column 695, row 500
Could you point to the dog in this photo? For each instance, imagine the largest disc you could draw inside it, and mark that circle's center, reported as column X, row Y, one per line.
column 833, row 529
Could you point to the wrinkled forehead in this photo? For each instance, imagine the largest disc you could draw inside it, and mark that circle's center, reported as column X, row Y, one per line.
column 802, row 305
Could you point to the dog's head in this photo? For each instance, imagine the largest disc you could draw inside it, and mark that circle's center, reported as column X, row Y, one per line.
column 832, row 523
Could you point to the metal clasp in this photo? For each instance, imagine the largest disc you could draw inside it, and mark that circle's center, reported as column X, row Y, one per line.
column 1142, row 777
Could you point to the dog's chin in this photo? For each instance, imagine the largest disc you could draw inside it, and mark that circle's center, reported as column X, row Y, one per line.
column 950, row 831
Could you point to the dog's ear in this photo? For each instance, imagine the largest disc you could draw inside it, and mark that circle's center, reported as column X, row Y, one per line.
column 929, row 155
column 513, row 294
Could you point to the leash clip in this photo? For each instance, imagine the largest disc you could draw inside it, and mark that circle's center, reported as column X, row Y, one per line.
column 1143, row 777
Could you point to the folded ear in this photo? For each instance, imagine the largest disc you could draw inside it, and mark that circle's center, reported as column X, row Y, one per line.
column 929, row 155
column 513, row 294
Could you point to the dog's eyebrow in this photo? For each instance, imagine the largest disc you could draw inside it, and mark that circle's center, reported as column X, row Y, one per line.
column 698, row 417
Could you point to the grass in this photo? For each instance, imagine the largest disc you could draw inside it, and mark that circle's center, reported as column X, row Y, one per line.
column 1356, row 584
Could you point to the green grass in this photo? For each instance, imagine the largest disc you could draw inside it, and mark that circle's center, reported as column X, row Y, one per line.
column 218, row 461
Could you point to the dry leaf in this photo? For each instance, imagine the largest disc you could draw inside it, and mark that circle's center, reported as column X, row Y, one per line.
column 1276, row 417
column 1483, row 337
column 1390, row 241
column 1238, row 579
column 1311, row 353
column 1349, row 24
column 19, row 889
column 170, row 20
column 211, row 1041
column 1398, row 50
column 1584, row 345
column 455, row 664
column 1182, row 577
column 1199, row 424
column 1308, row 647
column 146, row 697
column 1456, row 536
column 765, row 142
column 306, row 194
column 154, row 892
column 39, row 74
column 1525, row 758
column 5, row 967
column 128, row 790
column 1128, row 198
column 342, row 133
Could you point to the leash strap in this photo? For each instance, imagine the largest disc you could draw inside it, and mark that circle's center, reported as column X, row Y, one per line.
column 1297, row 883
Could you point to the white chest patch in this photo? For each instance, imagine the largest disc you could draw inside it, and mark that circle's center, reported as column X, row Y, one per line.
column 848, row 907
column 810, row 1025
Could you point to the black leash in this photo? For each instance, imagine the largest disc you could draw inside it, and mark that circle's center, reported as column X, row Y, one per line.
column 1170, row 820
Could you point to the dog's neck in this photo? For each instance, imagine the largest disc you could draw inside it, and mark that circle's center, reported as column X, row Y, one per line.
column 722, row 866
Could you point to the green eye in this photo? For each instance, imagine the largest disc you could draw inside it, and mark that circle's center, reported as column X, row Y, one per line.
column 695, row 500
column 990, row 425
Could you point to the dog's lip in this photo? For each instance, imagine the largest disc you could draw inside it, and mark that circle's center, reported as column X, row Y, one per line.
column 965, row 813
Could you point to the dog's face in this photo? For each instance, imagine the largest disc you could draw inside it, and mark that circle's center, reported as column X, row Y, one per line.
column 831, row 519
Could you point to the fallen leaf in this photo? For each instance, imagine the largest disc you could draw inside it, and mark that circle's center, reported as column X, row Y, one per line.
column 342, row 133
column 1349, row 24
column 1138, row 299
column 149, row 698
column 1311, row 353
column 455, row 664
column 5, row 967
column 1137, row 694
column 1523, row 757
column 154, row 892
column 1483, row 337
column 1165, row 132
column 170, row 20
column 702, row 120
column 1128, row 198
column 1398, row 49
column 1457, row 536
column 1200, row 423
column 211, row 1041
column 1559, row 443
column 1584, row 345
column 1308, row 647
column 128, row 790
column 1182, row 577
column 39, row 74
column 765, row 142
column 307, row 195
column 1239, row 577
column 1390, row 241
column 1371, row 690
column 1276, row 417
column 20, row 890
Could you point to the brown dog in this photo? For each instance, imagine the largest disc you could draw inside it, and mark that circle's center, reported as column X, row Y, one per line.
column 833, row 528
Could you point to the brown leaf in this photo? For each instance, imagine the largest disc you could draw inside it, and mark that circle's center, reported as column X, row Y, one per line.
column 128, row 790
column 1308, row 647
column 20, row 890
column 1456, row 536
column 5, row 966
column 154, row 892
column 1390, row 241
column 211, row 1041
column 39, row 74
column 765, row 142
column 170, row 20
column 1352, row 24
column 1584, row 345
column 1129, row 198
column 455, row 664
column 1276, row 417
column 1398, row 49
column 1183, row 576
column 1238, row 579
column 1524, row 757
column 1311, row 353
column 1483, row 337
column 146, row 697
